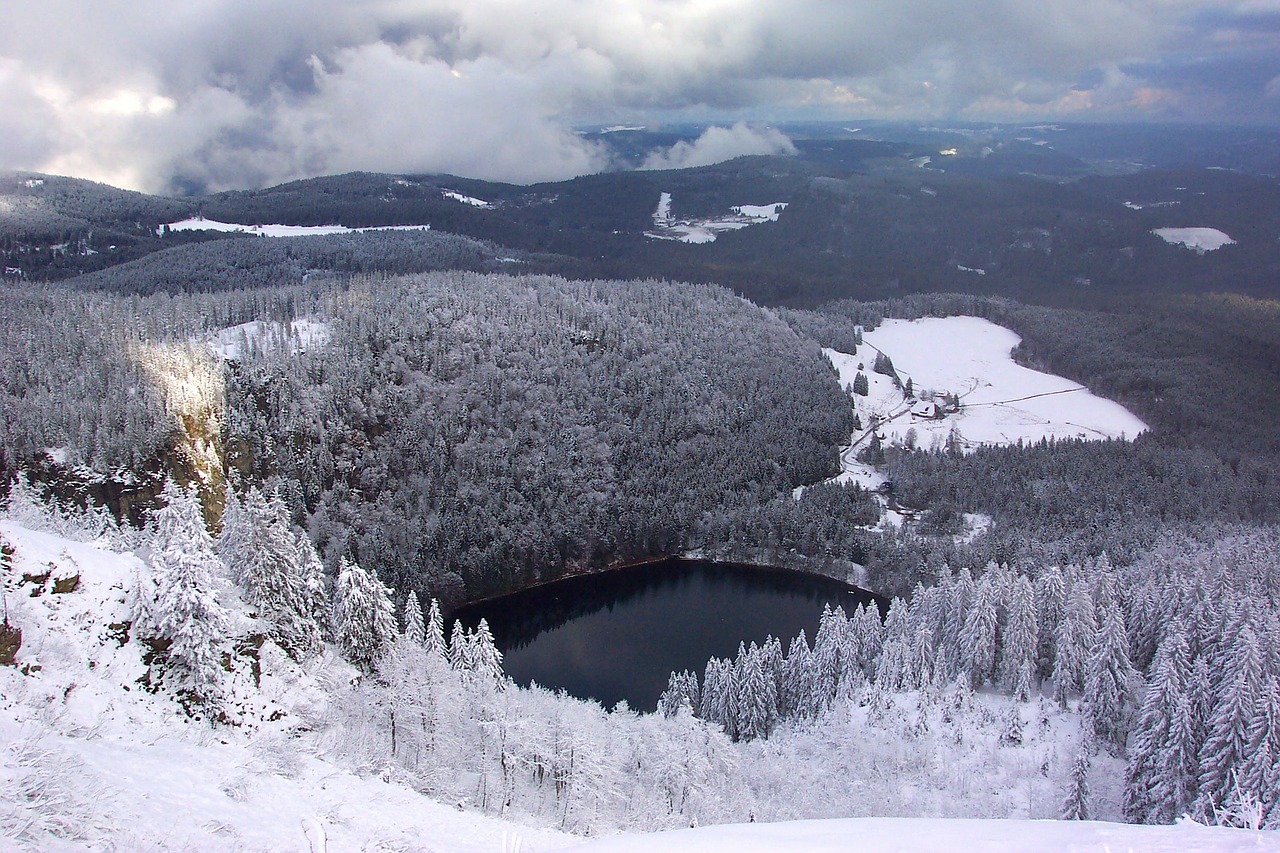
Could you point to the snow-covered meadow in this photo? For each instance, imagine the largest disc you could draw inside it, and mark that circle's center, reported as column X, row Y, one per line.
column 1000, row 401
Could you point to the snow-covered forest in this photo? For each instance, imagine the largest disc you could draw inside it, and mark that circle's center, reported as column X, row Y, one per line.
column 290, row 488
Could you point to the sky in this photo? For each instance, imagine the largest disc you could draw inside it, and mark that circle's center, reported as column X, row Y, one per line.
column 204, row 95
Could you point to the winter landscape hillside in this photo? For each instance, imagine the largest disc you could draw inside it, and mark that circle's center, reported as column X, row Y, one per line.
column 260, row 447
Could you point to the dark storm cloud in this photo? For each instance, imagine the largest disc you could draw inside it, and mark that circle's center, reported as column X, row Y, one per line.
column 238, row 92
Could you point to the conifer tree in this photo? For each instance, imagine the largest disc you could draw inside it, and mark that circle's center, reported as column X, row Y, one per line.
column 263, row 554
column 433, row 638
column 1108, row 675
column 486, row 660
column 1075, row 639
column 184, row 608
column 978, row 637
column 415, row 630
column 1075, row 805
column 1155, row 778
column 364, row 621
column 1021, row 635
column 1222, row 757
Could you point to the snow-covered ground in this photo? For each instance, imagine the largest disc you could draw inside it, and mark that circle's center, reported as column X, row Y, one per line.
column 300, row 336
column 92, row 760
column 199, row 223
column 920, row 835
column 466, row 199
column 1001, row 402
column 1199, row 240
column 666, row 227
column 89, row 760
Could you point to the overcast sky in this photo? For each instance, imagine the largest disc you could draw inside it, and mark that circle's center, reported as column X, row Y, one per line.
column 216, row 94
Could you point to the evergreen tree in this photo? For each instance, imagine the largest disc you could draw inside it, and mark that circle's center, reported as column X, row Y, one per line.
column 262, row 552
column 1155, row 780
column 1223, row 755
column 486, row 660
column 1075, row 639
column 978, row 637
column 861, row 386
column 1108, row 675
column 433, row 637
column 415, row 630
column 184, row 608
column 1075, row 805
column 1021, row 637
column 364, row 621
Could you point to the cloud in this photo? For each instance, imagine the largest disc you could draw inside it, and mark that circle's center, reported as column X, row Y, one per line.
column 717, row 144
column 228, row 93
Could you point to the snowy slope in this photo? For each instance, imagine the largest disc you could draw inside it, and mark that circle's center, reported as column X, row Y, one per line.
column 91, row 760
column 199, row 223
column 919, row 835
column 1001, row 402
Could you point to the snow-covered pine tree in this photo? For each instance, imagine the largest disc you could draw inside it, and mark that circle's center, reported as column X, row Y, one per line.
column 433, row 638
column 1156, row 779
column 459, row 648
column 1108, row 676
column 415, row 630
column 364, row 620
column 826, row 653
column 185, row 608
column 1075, row 805
column 757, row 697
column 796, row 699
column 1051, row 599
column 978, row 637
column 1260, row 775
column 486, row 660
column 262, row 553
column 1021, row 638
column 1075, row 639
column 1222, row 757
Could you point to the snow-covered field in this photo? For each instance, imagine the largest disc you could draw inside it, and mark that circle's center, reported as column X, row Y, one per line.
column 199, row 223
column 919, row 835
column 1199, row 240
column 665, row 227
column 258, row 335
column 1000, row 401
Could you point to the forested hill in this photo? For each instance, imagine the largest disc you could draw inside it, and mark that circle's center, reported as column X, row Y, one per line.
column 866, row 220
column 460, row 434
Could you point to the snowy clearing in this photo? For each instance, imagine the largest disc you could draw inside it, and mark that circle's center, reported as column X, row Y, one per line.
column 466, row 199
column 1199, row 240
column 199, row 223
column 1000, row 402
column 666, row 227
column 256, row 336
column 919, row 835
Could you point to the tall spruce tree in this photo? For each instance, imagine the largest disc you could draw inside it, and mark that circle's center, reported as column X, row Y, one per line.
column 364, row 620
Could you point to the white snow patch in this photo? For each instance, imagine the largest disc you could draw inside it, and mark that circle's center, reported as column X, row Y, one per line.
column 199, row 223
column 259, row 335
column 466, row 199
column 937, row 835
column 32, row 183
column 666, row 227
column 1001, row 402
column 1199, row 240
column 977, row 270
column 620, row 128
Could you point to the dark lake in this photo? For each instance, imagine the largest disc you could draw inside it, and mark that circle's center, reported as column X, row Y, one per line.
column 619, row 634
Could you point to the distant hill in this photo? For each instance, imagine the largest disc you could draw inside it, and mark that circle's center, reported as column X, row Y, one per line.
column 1054, row 214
